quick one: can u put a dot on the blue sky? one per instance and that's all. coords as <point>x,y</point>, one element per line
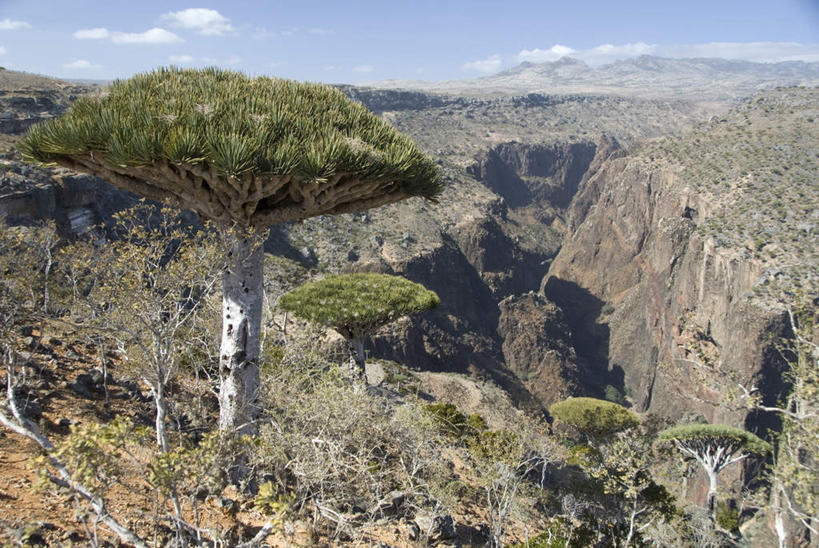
<point>358,41</point>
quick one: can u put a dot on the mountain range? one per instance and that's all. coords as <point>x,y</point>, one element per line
<point>703,79</point>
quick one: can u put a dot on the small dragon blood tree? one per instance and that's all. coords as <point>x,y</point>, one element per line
<point>714,446</point>
<point>356,305</point>
<point>244,152</point>
<point>596,419</point>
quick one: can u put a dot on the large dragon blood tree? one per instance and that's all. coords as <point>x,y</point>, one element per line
<point>244,152</point>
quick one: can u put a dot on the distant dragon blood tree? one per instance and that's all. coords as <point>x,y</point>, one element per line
<point>714,446</point>
<point>356,305</point>
<point>594,418</point>
<point>246,153</point>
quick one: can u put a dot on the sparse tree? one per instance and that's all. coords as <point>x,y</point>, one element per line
<point>356,305</point>
<point>624,467</point>
<point>507,462</point>
<point>246,153</point>
<point>714,447</point>
<point>143,290</point>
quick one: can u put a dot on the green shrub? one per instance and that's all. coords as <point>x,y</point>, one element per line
<point>452,422</point>
<point>560,533</point>
<point>727,517</point>
<point>612,394</point>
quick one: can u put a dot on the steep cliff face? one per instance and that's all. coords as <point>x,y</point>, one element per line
<point>537,347</point>
<point>75,202</point>
<point>484,256</point>
<point>694,248</point>
<point>544,174</point>
<point>26,99</point>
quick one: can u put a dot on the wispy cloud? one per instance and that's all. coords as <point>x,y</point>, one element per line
<point>363,68</point>
<point>182,59</point>
<point>155,35</point>
<point>761,52</point>
<point>315,31</point>
<point>492,63</point>
<point>185,59</point>
<point>2,50</point>
<point>92,34</point>
<point>538,55</point>
<point>81,64</point>
<point>204,21</point>
<point>8,24</point>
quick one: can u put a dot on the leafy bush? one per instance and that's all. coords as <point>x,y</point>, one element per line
<point>560,533</point>
<point>452,422</point>
<point>612,394</point>
<point>727,517</point>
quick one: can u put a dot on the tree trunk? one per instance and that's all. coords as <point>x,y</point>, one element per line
<point>779,515</point>
<point>355,345</point>
<point>711,500</point>
<point>242,286</point>
<point>161,414</point>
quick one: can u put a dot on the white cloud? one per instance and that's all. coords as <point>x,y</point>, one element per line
<point>81,64</point>
<point>538,55</point>
<point>152,36</point>
<point>329,68</point>
<point>2,50</point>
<point>8,24</point>
<point>92,34</point>
<point>363,68</point>
<point>606,53</point>
<point>490,64</point>
<point>191,60</point>
<point>182,59</point>
<point>204,21</point>
<point>320,31</point>
<point>760,52</point>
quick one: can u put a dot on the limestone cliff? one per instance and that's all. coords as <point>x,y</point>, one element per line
<point>694,245</point>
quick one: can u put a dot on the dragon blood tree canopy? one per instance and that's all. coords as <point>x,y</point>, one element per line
<point>250,151</point>
<point>356,305</point>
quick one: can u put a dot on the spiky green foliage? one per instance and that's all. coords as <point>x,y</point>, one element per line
<point>356,305</point>
<point>594,417</point>
<point>250,150</point>
<point>716,435</point>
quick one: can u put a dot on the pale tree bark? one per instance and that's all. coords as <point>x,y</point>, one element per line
<point>355,346</point>
<point>711,501</point>
<point>242,296</point>
<point>161,415</point>
<point>779,515</point>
